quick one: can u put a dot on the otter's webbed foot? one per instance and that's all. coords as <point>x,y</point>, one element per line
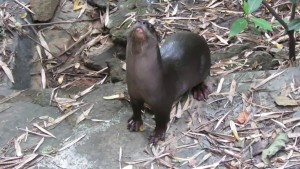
<point>200,92</point>
<point>157,135</point>
<point>134,124</point>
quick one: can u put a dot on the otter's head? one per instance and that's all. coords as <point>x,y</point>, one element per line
<point>143,31</point>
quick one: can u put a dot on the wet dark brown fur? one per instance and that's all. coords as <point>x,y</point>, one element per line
<point>159,76</point>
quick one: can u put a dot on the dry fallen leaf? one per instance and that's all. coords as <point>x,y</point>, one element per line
<point>76,5</point>
<point>39,144</point>
<point>220,85</point>
<point>71,143</point>
<point>116,96</point>
<point>44,80</point>
<point>45,45</point>
<point>7,71</point>
<point>60,79</point>
<point>232,90</point>
<point>234,130</point>
<point>18,148</point>
<point>243,116</point>
<point>84,114</point>
<point>285,101</point>
<point>43,130</point>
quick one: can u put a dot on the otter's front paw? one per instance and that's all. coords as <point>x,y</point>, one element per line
<point>200,92</point>
<point>135,125</point>
<point>157,135</point>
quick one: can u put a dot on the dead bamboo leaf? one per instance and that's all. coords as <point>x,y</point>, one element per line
<point>18,148</point>
<point>207,156</point>
<point>43,75</point>
<point>27,158</point>
<point>107,15</point>
<point>45,45</point>
<point>234,130</point>
<point>222,39</point>
<point>39,51</point>
<point>120,157</point>
<point>279,123</point>
<point>128,167</point>
<point>232,90</point>
<point>113,97</point>
<point>43,130</point>
<point>268,79</point>
<point>7,71</point>
<point>83,8</point>
<point>71,143</point>
<point>220,85</point>
<point>84,114</point>
<point>175,10</point>
<point>32,132</point>
<point>39,144</point>
<point>61,118</point>
<point>179,111</point>
<point>221,119</point>
<point>82,93</point>
<point>187,104</point>
<point>272,113</point>
<point>98,120</point>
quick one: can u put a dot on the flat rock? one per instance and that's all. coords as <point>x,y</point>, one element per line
<point>44,9</point>
<point>98,3</point>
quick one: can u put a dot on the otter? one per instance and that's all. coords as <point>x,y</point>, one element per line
<point>159,76</point>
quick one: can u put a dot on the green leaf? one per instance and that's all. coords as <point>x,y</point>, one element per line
<point>238,26</point>
<point>279,143</point>
<point>262,23</point>
<point>246,8</point>
<point>254,5</point>
<point>294,24</point>
<point>294,1</point>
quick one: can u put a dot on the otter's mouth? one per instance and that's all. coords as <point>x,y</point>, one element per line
<point>139,33</point>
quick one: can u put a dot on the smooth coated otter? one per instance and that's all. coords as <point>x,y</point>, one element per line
<point>159,76</point>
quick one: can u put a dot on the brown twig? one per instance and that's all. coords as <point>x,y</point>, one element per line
<point>292,42</point>
<point>74,44</point>
<point>58,22</point>
<point>25,7</point>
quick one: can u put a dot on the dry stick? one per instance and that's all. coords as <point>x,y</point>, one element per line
<point>290,33</point>
<point>58,22</point>
<point>42,46</point>
<point>19,3</point>
<point>79,40</point>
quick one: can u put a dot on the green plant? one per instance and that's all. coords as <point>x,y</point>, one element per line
<point>250,6</point>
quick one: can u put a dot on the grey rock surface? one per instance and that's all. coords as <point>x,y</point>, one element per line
<point>261,60</point>
<point>44,9</point>
<point>102,4</point>
<point>117,27</point>
<point>235,50</point>
<point>116,72</point>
